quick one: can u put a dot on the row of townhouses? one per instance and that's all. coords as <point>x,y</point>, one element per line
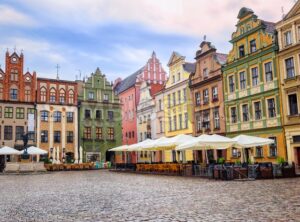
<point>253,90</point>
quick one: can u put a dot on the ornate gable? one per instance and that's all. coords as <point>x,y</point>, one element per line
<point>294,11</point>
<point>175,57</point>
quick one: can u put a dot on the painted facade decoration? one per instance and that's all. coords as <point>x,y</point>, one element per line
<point>251,88</point>
<point>100,117</point>
<point>289,76</point>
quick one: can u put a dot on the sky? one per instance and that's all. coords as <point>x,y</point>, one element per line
<point>118,36</point>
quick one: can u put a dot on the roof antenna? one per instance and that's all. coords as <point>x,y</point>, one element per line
<point>282,11</point>
<point>79,73</point>
<point>57,70</point>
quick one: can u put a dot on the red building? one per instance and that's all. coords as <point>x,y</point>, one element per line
<point>128,91</point>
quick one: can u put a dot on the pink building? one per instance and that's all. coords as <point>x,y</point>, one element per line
<point>128,91</point>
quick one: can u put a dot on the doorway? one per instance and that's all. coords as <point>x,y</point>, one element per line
<point>298,155</point>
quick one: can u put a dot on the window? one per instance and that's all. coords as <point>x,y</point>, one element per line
<point>242,80</point>
<point>173,79</point>
<point>110,133</point>
<point>8,112</point>
<point>257,110</point>
<point>91,95</point>
<point>20,113</point>
<point>241,51</point>
<point>234,152</point>
<point>259,152</point>
<point>30,111</point>
<point>170,124</point>
<point>161,126</point>
<point>273,147</point>
<point>1,91</point>
<point>197,98</point>
<point>175,122</point>
<point>56,136</point>
<point>141,137</point>
<point>186,120</point>
<point>70,137</point>
<point>254,73</point>
<point>178,76</point>
<point>293,104</point>
<point>52,95</point>
<point>99,135</point>
<point>14,75</point>
<point>62,96</point>
<point>0,113</point>
<point>44,136</point>
<point>296,139</point>
<point>27,95</point>
<point>8,132</point>
<point>71,97</point>
<point>57,116</point>
<point>252,45</point>
<point>87,133</point>
<point>159,105</point>
<point>87,114</point>
<point>110,115</point>
<point>216,118</point>
<point>288,38</point>
<point>141,120</point>
<point>289,65</point>
<point>233,115</point>
<point>70,117</point>
<point>215,93</point>
<point>174,99</point>
<point>179,97</point>
<point>205,73</point>
<point>206,120</point>
<point>105,98</point>
<point>231,84</point>
<point>19,132</point>
<point>205,96</point>
<point>44,116</point>
<point>98,114</point>
<point>184,95</point>
<point>245,111</point>
<point>199,123</point>
<point>271,108</point>
<point>13,94</point>
<point>43,95</point>
<point>180,121</point>
<point>169,101</point>
<point>268,71</point>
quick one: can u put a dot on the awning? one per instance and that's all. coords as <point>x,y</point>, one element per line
<point>245,141</point>
<point>34,151</point>
<point>9,151</point>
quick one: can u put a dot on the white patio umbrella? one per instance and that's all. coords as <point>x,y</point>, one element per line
<point>172,142</point>
<point>34,151</point>
<point>119,148</point>
<point>9,151</point>
<point>140,146</point>
<point>245,141</point>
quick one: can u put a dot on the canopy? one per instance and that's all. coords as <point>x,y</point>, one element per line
<point>35,151</point>
<point>153,146</point>
<point>172,142</point>
<point>207,142</point>
<point>9,151</point>
<point>245,141</point>
<point>119,148</point>
<point>140,146</point>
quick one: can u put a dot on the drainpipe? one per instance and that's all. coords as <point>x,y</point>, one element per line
<point>79,131</point>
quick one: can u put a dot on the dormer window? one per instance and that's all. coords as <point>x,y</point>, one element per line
<point>252,46</point>
<point>288,38</point>
<point>241,51</point>
<point>205,73</point>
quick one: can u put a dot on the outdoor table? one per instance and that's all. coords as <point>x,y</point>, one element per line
<point>266,170</point>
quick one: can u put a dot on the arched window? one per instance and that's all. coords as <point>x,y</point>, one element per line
<point>13,93</point>
<point>27,94</point>
<point>43,94</point>
<point>14,75</point>
<point>1,91</point>
<point>71,96</point>
<point>52,95</point>
<point>62,96</point>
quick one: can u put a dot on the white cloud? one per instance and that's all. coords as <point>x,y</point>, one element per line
<point>12,17</point>
<point>192,17</point>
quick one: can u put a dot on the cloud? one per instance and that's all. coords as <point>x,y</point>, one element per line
<point>12,17</point>
<point>192,18</point>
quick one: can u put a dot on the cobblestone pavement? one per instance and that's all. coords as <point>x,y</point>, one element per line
<point>109,196</point>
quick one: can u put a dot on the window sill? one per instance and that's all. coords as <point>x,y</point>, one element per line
<point>290,79</point>
<point>258,157</point>
<point>294,116</point>
<point>272,157</point>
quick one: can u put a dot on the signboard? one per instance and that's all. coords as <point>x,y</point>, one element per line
<point>30,122</point>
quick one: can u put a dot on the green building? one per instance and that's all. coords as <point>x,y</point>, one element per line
<point>251,88</point>
<point>99,118</point>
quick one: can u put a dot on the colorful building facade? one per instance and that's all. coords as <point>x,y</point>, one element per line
<point>178,109</point>
<point>17,103</point>
<point>289,72</point>
<point>99,118</point>
<point>251,88</point>
<point>206,86</point>
<point>57,118</point>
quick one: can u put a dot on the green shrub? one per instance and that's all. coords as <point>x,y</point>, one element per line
<point>280,160</point>
<point>221,160</point>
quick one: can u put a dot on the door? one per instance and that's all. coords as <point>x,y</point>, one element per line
<point>247,155</point>
<point>298,155</point>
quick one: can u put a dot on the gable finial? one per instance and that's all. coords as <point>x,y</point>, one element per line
<point>204,38</point>
<point>15,48</point>
<point>57,70</point>
<point>282,12</point>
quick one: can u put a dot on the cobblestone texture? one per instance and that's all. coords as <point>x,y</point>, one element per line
<point>108,196</point>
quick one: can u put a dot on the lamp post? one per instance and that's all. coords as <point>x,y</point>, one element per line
<point>51,154</point>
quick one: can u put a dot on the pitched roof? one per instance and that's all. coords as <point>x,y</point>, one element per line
<point>221,58</point>
<point>128,82</point>
<point>189,67</point>
<point>270,27</point>
<point>155,88</point>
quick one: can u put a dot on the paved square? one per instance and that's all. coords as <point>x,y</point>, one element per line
<point>108,196</point>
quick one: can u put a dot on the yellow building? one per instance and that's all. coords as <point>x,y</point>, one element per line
<point>289,72</point>
<point>178,104</point>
